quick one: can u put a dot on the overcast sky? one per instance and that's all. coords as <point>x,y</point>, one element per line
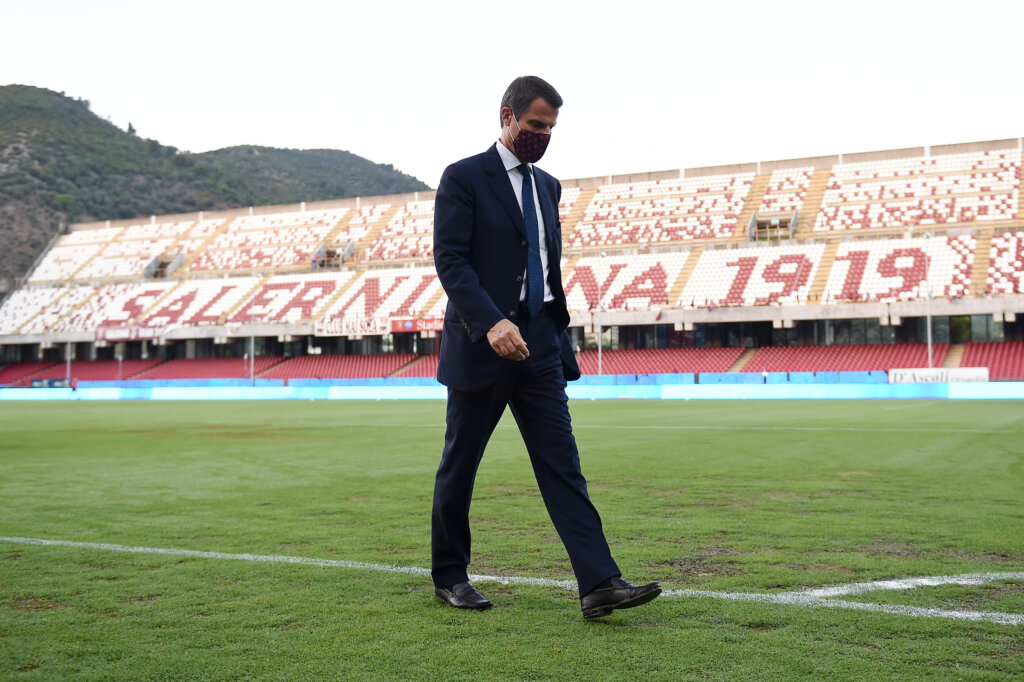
<point>647,85</point>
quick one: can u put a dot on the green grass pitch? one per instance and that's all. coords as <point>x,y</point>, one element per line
<point>754,497</point>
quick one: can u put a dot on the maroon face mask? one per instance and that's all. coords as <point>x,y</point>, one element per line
<point>529,146</point>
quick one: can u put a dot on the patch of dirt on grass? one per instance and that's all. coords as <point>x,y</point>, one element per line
<point>902,550</point>
<point>20,603</point>
<point>13,557</point>
<point>813,568</point>
<point>694,567</point>
<point>985,557</point>
<point>890,548</point>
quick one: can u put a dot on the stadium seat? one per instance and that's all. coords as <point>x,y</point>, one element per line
<point>935,190</point>
<point>900,269</point>
<point>660,360</point>
<point>857,358</point>
<point>340,366</point>
<point>1005,360</point>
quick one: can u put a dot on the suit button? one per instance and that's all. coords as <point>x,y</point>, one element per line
<point>524,242</point>
<point>511,313</point>
<point>519,278</point>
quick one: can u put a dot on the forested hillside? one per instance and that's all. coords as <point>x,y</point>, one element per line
<point>60,163</point>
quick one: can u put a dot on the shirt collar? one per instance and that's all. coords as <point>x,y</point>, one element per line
<point>507,157</point>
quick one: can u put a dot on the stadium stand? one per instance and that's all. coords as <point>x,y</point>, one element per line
<point>290,298</point>
<point>1005,360</point>
<point>99,370</point>
<point>662,211</point>
<point>59,303</point>
<point>63,261</point>
<point>786,190</point>
<point>208,368</point>
<point>390,292</point>
<point>340,366</point>
<point>197,303</point>
<point>16,374</point>
<point>277,240</point>
<point>623,282</point>
<point>757,275</point>
<point>660,360</point>
<point>408,235</point>
<point>112,305</point>
<point>859,358</point>
<point>893,227</point>
<point>425,366</point>
<point>568,201</point>
<point>899,269</point>
<point>953,188</point>
<point>24,304</point>
<point>1006,264</point>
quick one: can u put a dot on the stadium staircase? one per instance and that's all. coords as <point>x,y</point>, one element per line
<point>41,310</point>
<point>281,361</point>
<point>828,259</point>
<point>245,299</point>
<point>339,226</point>
<point>982,258</point>
<point>954,356</point>
<point>71,310</point>
<point>576,213</point>
<point>91,258</point>
<point>812,201</point>
<point>375,231</point>
<point>435,297</point>
<point>338,293</point>
<point>408,366</point>
<point>570,264</point>
<point>750,205</point>
<point>742,360</point>
<point>159,301</point>
<point>201,249</point>
<point>676,292</point>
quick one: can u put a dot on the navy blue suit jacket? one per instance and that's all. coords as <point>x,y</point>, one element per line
<point>480,251</point>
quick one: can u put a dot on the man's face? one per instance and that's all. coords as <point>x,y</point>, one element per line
<point>539,118</point>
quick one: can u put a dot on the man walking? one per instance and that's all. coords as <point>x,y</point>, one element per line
<point>497,250</point>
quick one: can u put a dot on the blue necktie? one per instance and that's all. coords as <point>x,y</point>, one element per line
<point>534,269</point>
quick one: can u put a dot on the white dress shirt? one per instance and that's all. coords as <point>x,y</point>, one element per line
<point>516,178</point>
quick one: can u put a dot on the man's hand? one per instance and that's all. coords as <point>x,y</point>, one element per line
<point>505,340</point>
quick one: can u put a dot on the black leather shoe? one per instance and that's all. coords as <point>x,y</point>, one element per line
<point>463,596</point>
<point>621,595</point>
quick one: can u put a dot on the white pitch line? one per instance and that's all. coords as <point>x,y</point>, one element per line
<point>811,598</point>
<point>911,583</point>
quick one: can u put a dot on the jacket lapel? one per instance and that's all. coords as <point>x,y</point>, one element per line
<point>502,188</point>
<point>552,235</point>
